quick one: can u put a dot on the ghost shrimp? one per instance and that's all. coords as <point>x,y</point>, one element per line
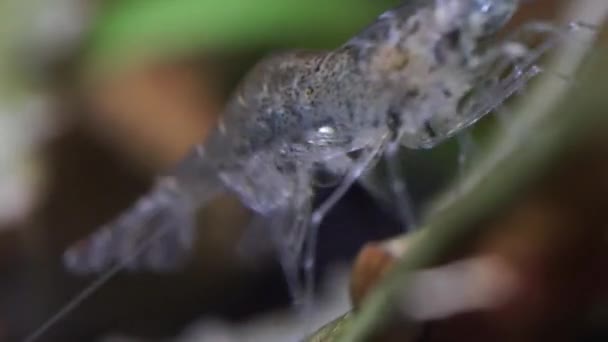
<point>414,78</point>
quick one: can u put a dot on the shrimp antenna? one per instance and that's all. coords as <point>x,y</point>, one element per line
<point>81,296</point>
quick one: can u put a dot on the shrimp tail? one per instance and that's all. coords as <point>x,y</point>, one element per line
<point>158,232</point>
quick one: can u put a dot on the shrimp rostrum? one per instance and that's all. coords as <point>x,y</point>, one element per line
<point>418,75</point>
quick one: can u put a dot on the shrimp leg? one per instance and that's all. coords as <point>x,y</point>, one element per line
<point>466,149</point>
<point>286,228</point>
<point>365,161</point>
<point>404,208</point>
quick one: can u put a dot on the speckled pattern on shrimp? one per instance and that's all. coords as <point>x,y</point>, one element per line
<point>405,75</point>
<point>415,77</point>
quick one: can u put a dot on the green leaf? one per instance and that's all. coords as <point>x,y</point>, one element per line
<point>133,29</point>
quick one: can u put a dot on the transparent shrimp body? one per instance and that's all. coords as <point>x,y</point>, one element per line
<point>403,79</point>
<point>420,74</point>
<point>415,77</point>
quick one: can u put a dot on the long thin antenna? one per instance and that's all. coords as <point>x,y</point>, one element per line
<point>80,297</point>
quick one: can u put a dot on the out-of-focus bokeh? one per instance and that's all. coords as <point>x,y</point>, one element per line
<point>99,96</point>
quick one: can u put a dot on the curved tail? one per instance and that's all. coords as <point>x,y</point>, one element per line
<point>164,221</point>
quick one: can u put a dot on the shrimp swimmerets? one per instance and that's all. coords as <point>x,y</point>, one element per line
<point>415,77</point>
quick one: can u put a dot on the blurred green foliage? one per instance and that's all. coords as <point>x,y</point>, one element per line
<point>135,29</point>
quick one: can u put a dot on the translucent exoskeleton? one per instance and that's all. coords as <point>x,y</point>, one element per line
<point>420,74</point>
